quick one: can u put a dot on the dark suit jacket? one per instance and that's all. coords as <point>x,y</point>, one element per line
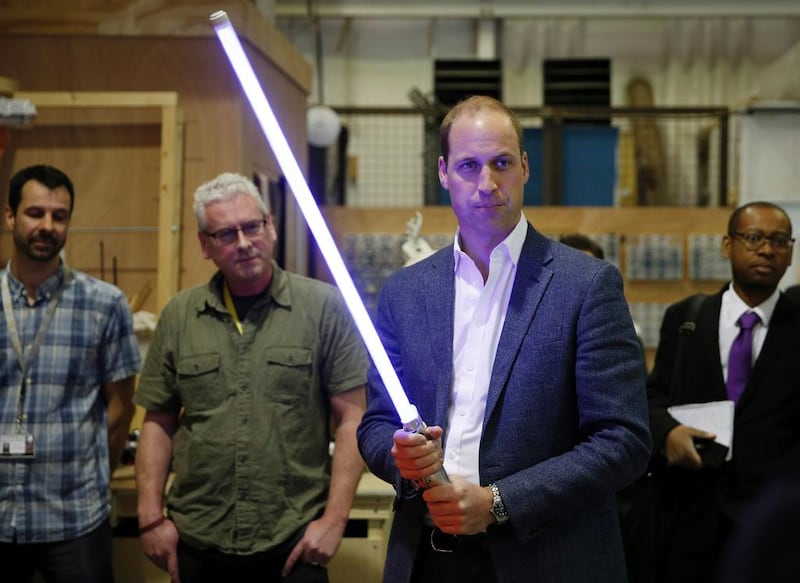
<point>565,424</point>
<point>766,433</point>
<point>765,546</point>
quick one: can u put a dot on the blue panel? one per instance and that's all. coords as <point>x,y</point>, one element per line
<point>589,173</point>
<point>532,142</point>
<point>590,168</point>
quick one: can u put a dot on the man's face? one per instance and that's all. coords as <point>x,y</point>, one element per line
<point>245,262</point>
<point>40,224</point>
<point>485,174</point>
<point>760,268</point>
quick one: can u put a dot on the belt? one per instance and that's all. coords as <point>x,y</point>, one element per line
<point>442,542</point>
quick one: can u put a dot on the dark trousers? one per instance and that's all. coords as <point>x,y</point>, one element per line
<point>458,560</point>
<point>693,528</point>
<point>211,566</point>
<point>86,559</point>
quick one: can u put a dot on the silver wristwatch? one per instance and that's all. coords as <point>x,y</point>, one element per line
<point>498,509</point>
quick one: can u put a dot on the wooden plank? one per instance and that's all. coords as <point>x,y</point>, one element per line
<point>97,116</point>
<point>149,18</point>
<point>169,209</point>
<point>100,98</point>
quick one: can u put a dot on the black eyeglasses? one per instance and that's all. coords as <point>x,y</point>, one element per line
<point>754,241</point>
<point>251,230</point>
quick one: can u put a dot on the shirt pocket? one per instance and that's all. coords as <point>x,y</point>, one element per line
<point>289,372</point>
<point>199,382</point>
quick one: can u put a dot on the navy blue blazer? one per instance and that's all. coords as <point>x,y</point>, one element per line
<point>566,415</point>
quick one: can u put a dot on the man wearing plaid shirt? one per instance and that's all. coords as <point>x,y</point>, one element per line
<point>68,360</point>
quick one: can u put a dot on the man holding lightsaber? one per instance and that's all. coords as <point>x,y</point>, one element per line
<point>520,354</point>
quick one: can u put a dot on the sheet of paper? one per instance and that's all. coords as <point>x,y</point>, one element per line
<point>716,417</point>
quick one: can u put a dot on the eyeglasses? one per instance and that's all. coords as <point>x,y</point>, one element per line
<point>754,241</point>
<point>251,230</point>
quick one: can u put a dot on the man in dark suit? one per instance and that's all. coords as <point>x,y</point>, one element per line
<point>520,353</point>
<point>699,503</point>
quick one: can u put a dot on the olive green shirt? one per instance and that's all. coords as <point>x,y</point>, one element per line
<point>250,453</point>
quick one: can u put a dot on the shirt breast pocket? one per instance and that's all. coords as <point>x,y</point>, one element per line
<point>289,372</point>
<point>199,382</point>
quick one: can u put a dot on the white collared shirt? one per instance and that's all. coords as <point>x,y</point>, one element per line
<point>732,309</point>
<point>480,311</point>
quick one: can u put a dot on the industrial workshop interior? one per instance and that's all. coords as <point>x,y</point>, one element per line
<point>646,122</point>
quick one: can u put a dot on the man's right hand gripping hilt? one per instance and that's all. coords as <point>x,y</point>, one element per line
<point>440,476</point>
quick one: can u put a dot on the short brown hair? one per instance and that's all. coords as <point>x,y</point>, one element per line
<point>473,105</point>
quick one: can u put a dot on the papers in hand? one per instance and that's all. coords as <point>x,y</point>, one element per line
<point>715,417</point>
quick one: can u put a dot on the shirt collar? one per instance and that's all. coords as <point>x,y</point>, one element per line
<point>733,306</point>
<point>45,290</point>
<point>278,290</point>
<point>511,246</point>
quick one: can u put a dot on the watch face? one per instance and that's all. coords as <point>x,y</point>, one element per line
<point>498,509</point>
<point>501,517</point>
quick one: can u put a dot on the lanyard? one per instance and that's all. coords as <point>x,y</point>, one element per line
<point>25,357</point>
<point>231,308</point>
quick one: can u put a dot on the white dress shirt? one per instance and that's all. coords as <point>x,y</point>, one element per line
<point>480,310</point>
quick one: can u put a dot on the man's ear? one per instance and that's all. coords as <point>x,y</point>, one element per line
<point>442,165</point>
<point>205,241</point>
<point>526,166</point>
<point>725,247</point>
<point>9,218</point>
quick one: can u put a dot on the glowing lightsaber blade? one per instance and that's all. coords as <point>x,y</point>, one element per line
<point>305,200</point>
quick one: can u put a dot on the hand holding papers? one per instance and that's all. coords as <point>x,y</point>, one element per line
<point>715,417</point>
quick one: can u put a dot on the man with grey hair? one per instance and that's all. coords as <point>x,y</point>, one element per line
<point>240,382</point>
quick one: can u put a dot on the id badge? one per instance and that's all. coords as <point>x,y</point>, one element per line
<point>16,446</point>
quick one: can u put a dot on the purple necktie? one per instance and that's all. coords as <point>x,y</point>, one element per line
<point>740,359</point>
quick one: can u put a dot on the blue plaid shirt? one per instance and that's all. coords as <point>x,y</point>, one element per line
<point>63,492</point>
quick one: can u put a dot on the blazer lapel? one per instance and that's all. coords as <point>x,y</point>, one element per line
<point>708,328</point>
<point>779,330</point>
<point>531,280</point>
<point>439,298</point>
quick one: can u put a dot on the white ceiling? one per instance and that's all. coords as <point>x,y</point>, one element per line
<point>534,8</point>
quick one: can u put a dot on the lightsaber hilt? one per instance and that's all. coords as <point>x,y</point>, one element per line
<point>440,476</point>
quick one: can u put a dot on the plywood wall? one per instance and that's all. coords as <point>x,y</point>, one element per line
<point>114,156</point>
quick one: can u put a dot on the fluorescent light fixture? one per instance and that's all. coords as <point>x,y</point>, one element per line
<point>305,200</point>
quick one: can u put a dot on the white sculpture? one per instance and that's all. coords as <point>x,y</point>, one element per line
<point>415,247</point>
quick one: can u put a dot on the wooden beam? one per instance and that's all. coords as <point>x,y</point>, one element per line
<point>169,208</point>
<point>100,98</point>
